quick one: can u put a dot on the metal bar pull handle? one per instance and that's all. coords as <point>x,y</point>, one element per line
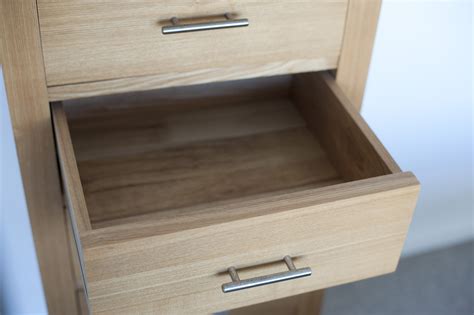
<point>292,273</point>
<point>175,27</point>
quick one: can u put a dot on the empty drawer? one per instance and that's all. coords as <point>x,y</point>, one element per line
<point>168,189</point>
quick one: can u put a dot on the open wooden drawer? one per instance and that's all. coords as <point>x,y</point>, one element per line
<point>170,188</point>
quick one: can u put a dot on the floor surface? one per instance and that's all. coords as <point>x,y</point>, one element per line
<point>435,283</point>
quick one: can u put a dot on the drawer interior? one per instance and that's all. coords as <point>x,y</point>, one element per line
<point>191,180</point>
<point>173,152</point>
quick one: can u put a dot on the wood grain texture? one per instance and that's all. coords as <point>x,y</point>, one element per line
<point>345,239</point>
<point>228,92</point>
<point>79,220</point>
<point>354,149</point>
<point>204,302</point>
<point>150,82</point>
<point>70,174</point>
<point>303,304</point>
<point>137,162</point>
<point>79,279</point>
<point>24,77</point>
<point>176,258</point>
<point>84,41</point>
<point>191,137</point>
<point>162,223</point>
<point>175,178</point>
<point>359,36</point>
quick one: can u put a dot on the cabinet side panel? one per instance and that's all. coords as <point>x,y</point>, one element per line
<point>22,62</point>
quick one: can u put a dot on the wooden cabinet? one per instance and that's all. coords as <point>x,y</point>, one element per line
<point>184,155</point>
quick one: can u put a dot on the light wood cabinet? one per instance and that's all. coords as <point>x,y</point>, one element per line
<point>183,155</point>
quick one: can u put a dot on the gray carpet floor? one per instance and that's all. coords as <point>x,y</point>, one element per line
<point>436,283</point>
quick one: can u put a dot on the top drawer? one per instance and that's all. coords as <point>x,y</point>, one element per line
<point>86,41</point>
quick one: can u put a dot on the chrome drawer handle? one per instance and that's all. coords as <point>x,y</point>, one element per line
<point>183,28</point>
<point>238,284</point>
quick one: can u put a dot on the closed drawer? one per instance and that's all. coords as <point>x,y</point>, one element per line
<point>170,188</point>
<point>88,41</point>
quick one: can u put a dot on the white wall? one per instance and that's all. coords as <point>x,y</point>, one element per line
<point>419,102</point>
<point>21,290</point>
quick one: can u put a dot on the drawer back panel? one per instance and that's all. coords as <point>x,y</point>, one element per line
<point>88,41</point>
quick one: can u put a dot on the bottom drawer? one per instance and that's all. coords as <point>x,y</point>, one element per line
<point>168,189</point>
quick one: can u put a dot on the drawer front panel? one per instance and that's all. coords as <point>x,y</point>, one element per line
<point>342,240</point>
<point>87,41</point>
<point>367,260</point>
